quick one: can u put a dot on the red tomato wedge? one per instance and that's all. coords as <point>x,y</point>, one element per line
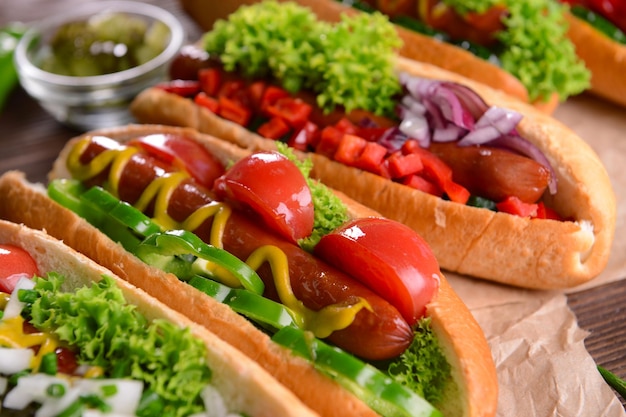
<point>15,263</point>
<point>273,187</point>
<point>183,153</point>
<point>389,258</point>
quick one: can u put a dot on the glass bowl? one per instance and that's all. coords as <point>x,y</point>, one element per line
<point>93,101</point>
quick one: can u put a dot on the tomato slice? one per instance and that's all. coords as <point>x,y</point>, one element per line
<point>183,153</point>
<point>274,188</point>
<point>389,258</point>
<point>15,263</point>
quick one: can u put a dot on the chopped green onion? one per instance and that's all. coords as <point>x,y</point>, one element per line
<point>56,390</point>
<point>109,390</point>
<point>49,364</point>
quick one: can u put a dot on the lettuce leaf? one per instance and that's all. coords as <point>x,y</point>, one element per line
<point>423,366</point>
<point>349,64</point>
<point>535,48</point>
<point>112,334</point>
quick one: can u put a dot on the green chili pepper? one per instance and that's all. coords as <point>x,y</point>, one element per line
<point>253,306</point>
<point>9,37</point>
<point>379,391</point>
<point>614,381</point>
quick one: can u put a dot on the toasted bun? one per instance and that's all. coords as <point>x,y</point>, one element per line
<point>245,386</point>
<point>473,394</point>
<point>415,46</point>
<point>540,254</point>
<point>605,58</point>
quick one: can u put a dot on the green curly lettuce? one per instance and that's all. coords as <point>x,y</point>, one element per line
<point>535,48</point>
<point>112,334</point>
<point>423,367</point>
<point>349,64</point>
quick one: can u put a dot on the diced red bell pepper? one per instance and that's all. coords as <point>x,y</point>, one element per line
<point>271,94</point>
<point>383,170</point>
<point>371,134</point>
<point>349,149</point>
<point>513,205</point>
<point>274,128</point>
<point>372,157</point>
<point>234,111</point>
<point>435,169</point>
<point>202,99</point>
<point>346,126</point>
<point>402,165</point>
<point>183,88</point>
<point>422,184</point>
<point>544,212</point>
<point>255,92</point>
<point>305,138</point>
<point>210,80</point>
<point>295,111</point>
<point>236,91</point>
<point>456,192</point>
<point>329,141</point>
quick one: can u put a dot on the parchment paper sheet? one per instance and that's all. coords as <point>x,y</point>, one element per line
<point>542,364</point>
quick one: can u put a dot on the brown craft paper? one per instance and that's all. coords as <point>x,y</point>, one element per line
<point>542,364</point>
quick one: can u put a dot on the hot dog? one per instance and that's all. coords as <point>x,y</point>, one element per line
<point>597,30</point>
<point>478,44</point>
<point>72,370</point>
<point>469,358</point>
<point>556,166</point>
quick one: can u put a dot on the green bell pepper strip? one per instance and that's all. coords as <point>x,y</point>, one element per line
<point>257,308</point>
<point>183,242</point>
<point>384,395</point>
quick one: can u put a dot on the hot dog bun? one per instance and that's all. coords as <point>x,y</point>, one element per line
<point>475,388</point>
<point>605,58</point>
<point>245,386</point>
<point>415,46</point>
<point>495,246</point>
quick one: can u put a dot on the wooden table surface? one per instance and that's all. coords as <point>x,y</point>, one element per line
<point>30,140</point>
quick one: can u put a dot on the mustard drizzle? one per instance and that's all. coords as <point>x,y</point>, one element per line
<point>12,335</point>
<point>322,323</point>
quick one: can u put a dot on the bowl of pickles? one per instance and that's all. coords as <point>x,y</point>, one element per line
<point>85,66</point>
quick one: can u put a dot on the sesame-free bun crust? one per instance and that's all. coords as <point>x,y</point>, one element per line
<point>605,58</point>
<point>541,254</point>
<point>473,394</point>
<point>245,386</point>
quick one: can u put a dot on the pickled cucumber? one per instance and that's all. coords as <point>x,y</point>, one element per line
<point>104,44</point>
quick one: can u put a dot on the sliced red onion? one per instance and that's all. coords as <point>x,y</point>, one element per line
<point>413,105</point>
<point>416,127</point>
<point>444,111</point>
<point>392,139</point>
<point>495,122</point>
<point>449,133</point>
<point>451,107</point>
<point>471,101</point>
